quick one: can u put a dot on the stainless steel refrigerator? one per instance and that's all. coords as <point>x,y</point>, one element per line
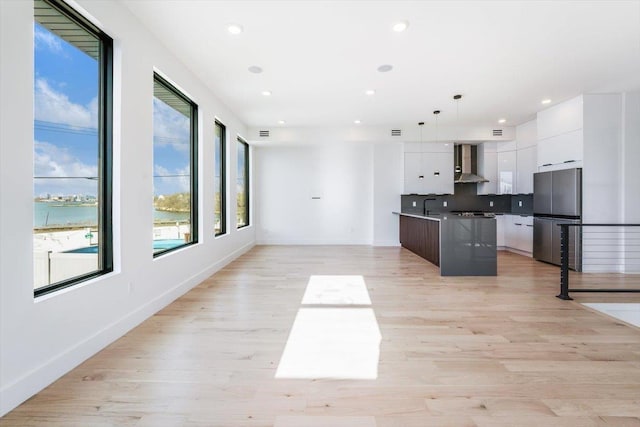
<point>557,198</point>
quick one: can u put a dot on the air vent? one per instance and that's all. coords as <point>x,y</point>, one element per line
<point>264,134</point>
<point>497,132</point>
<point>396,132</point>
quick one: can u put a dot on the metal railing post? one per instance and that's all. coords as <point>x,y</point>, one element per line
<point>564,262</point>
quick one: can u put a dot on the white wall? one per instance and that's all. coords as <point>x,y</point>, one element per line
<point>388,178</point>
<point>314,194</point>
<point>602,170</point>
<point>42,339</point>
<point>631,158</point>
<point>631,175</point>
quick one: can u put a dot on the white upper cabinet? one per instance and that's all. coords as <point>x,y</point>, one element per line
<point>560,150</point>
<point>562,118</point>
<point>525,168</point>
<point>428,172</point>
<point>488,168</point>
<point>527,155</point>
<point>507,172</point>
<point>561,136</point>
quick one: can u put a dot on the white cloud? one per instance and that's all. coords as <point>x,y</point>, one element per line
<point>56,107</point>
<point>53,161</point>
<point>170,127</point>
<point>177,182</point>
<point>47,40</point>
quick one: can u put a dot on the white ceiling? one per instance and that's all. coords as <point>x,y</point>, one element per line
<point>320,56</point>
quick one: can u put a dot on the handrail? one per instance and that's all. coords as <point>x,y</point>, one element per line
<point>564,261</point>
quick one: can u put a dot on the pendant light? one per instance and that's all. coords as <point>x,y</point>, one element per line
<point>458,168</point>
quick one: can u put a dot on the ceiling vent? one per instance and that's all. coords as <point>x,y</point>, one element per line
<point>497,132</point>
<point>396,132</point>
<point>264,134</point>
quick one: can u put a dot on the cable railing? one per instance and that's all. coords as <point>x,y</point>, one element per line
<point>606,248</point>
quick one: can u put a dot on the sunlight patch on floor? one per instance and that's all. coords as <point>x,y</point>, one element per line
<point>336,290</point>
<point>627,312</point>
<point>339,341</point>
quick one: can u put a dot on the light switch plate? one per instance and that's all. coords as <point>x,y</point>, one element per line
<point>520,203</point>
<point>444,203</point>
<point>414,204</point>
<point>490,203</point>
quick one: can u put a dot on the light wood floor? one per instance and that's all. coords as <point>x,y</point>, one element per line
<point>493,351</point>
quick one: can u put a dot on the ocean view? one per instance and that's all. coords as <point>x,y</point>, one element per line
<point>50,214</point>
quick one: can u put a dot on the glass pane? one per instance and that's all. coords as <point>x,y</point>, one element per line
<point>218,181</point>
<point>66,224</point>
<point>171,169</point>
<point>241,185</point>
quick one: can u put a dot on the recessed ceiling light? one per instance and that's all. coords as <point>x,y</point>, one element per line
<point>399,27</point>
<point>385,68</point>
<point>370,92</point>
<point>546,101</point>
<point>357,122</point>
<point>266,92</point>
<point>255,69</point>
<point>235,28</point>
<point>502,120</point>
<point>281,122</point>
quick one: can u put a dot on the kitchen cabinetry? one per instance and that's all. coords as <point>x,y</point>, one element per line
<point>488,168</point>
<point>500,221</point>
<point>517,161</point>
<point>525,168</point>
<point>507,163</point>
<point>429,172</point>
<point>561,136</point>
<point>518,233</point>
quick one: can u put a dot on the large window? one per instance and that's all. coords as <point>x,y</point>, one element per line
<point>242,184</point>
<point>219,184</point>
<point>72,224</point>
<point>175,174</point>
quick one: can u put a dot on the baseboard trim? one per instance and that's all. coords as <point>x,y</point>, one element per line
<point>312,242</point>
<point>15,393</point>
<point>519,252</point>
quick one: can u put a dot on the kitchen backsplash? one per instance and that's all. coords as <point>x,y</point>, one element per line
<point>468,201</point>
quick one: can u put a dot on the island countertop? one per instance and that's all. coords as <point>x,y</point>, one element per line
<point>460,245</point>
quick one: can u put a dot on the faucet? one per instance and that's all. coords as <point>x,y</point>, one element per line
<point>425,212</point>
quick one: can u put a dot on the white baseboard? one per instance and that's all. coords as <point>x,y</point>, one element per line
<point>312,242</point>
<point>518,251</point>
<point>394,243</point>
<point>40,377</point>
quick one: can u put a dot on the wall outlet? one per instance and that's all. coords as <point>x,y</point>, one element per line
<point>414,204</point>
<point>444,203</point>
<point>519,203</point>
<point>491,203</point>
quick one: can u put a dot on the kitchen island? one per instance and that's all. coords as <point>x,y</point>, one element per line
<point>459,245</point>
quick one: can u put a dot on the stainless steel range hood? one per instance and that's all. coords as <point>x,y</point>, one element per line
<point>465,156</point>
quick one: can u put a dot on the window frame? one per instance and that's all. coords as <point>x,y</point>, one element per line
<point>193,163</point>
<point>105,150</point>
<point>223,179</point>
<point>246,183</point>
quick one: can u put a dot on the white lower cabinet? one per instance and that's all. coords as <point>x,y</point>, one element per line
<point>500,221</point>
<point>518,233</point>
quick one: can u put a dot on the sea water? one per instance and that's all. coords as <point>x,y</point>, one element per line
<point>49,214</point>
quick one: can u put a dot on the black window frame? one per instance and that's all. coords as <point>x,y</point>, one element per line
<point>246,184</point>
<point>193,147</point>
<point>105,150</point>
<point>223,179</point>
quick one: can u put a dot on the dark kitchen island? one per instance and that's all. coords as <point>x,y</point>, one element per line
<point>459,245</point>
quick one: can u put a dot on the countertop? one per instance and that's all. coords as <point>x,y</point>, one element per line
<point>440,217</point>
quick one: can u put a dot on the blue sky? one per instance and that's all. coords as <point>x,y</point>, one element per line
<point>65,128</point>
